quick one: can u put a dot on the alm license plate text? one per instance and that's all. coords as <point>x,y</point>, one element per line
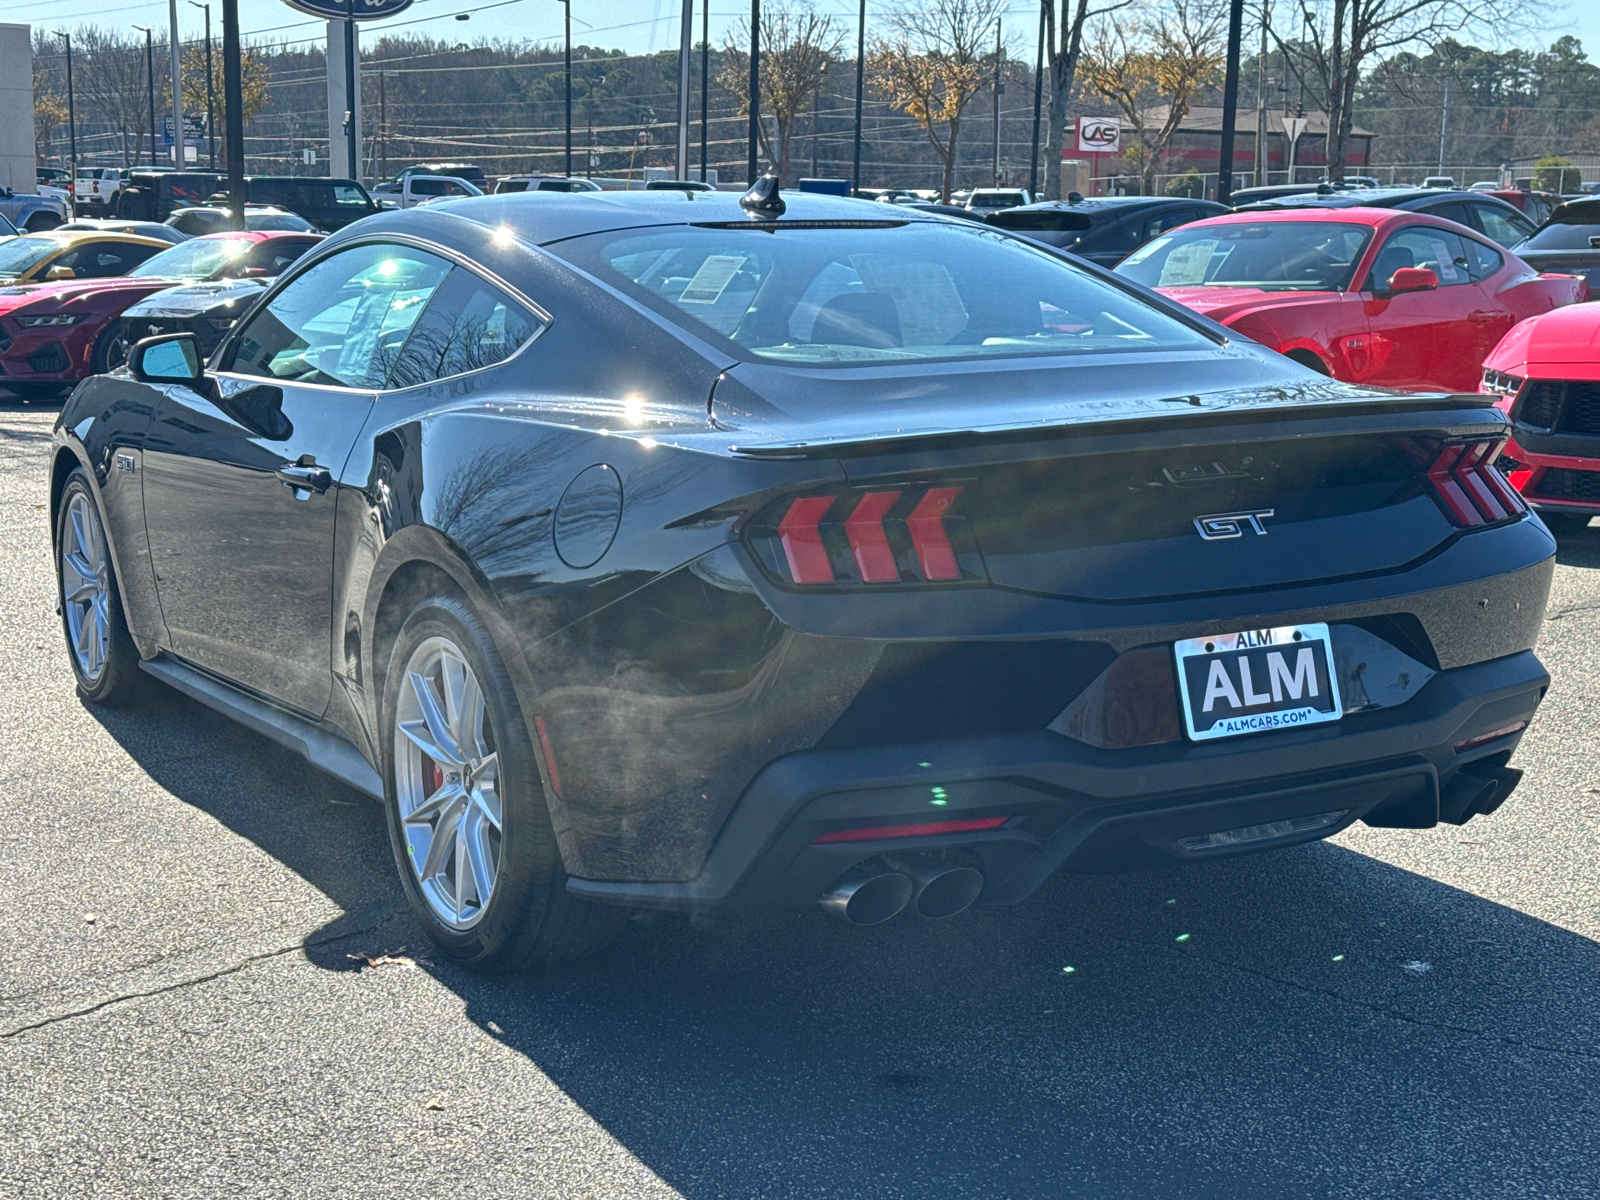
<point>1257,680</point>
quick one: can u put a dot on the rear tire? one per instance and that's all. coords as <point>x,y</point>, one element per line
<point>104,659</point>
<point>469,823</point>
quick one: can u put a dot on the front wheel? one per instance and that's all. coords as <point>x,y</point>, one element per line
<point>467,813</point>
<point>104,658</point>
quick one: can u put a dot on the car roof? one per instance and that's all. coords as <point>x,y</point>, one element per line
<point>74,236</point>
<point>552,216</point>
<point>1091,204</point>
<point>1351,215</point>
<point>1377,198</point>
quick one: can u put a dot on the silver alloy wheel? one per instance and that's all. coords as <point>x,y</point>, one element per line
<point>446,775</point>
<point>86,587</point>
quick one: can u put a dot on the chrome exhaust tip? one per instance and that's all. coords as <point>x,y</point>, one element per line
<point>867,895</point>
<point>941,886</point>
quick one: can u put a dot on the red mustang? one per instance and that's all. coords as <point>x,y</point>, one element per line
<point>53,334</point>
<point>1547,373</point>
<point>1367,295</point>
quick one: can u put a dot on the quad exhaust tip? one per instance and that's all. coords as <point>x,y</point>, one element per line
<point>873,892</point>
<point>867,895</point>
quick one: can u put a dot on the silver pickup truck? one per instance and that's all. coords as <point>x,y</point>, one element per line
<point>33,213</point>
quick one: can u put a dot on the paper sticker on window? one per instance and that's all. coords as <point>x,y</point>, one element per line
<point>1447,266</point>
<point>712,279</point>
<point>1187,265</point>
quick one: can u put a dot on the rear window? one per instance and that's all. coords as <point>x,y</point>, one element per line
<point>1275,255</point>
<point>851,295</point>
<point>1570,228</point>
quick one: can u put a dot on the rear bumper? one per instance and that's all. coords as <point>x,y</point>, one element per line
<point>1070,806</point>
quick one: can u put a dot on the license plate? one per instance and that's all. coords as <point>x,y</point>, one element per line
<point>1258,680</point>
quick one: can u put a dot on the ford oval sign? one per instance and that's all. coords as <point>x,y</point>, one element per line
<point>361,10</point>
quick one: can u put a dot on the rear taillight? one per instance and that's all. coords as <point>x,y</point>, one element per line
<point>1469,488</point>
<point>868,536</point>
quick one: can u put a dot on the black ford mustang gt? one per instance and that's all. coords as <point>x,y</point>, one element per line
<point>646,550</point>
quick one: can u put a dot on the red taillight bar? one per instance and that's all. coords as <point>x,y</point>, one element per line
<point>926,526</point>
<point>925,829</point>
<point>801,538</point>
<point>1469,488</point>
<point>872,555</point>
<point>868,540</point>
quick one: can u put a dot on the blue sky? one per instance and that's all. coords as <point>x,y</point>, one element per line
<point>633,25</point>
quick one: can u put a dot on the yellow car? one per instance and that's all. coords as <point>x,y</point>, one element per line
<point>87,254</point>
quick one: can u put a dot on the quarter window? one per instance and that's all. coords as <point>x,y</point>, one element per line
<point>1503,227</point>
<point>469,324</point>
<point>343,322</point>
<point>1438,250</point>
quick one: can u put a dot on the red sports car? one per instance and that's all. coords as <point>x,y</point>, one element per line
<point>1547,373</point>
<point>53,334</point>
<point>1367,295</point>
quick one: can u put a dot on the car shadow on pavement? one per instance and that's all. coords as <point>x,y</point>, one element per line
<point>1309,1022</point>
<point>1579,548</point>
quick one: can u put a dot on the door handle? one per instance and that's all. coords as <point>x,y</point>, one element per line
<point>1479,316</point>
<point>305,477</point>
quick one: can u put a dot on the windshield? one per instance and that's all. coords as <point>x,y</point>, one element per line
<point>842,295</point>
<point>1294,256</point>
<point>199,259</point>
<point>21,255</point>
<point>1573,227</point>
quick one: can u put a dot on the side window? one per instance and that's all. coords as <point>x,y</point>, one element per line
<point>104,260</point>
<point>427,187</point>
<point>344,321</point>
<point>1439,250</point>
<point>467,325</point>
<point>1450,212</point>
<point>1483,261</point>
<point>1158,225</point>
<point>1503,227</point>
<point>276,254</point>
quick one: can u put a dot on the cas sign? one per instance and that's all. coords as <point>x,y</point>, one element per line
<point>341,10</point>
<point>1099,135</point>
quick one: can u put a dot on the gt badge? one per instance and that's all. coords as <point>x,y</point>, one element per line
<point>1231,525</point>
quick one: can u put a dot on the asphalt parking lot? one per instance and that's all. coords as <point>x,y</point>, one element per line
<point>210,986</point>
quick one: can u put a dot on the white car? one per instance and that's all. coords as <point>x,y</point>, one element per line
<point>420,189</point>
<point>988,200</point>
<point>96,187</point>
<point>544,183</point>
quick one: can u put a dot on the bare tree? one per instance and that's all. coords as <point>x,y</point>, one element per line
<point>798,49</point>
<point>111,82</point>
<point>932,64</point>
<point>1063,40</point>
<point>1345,35</point>
<point>1167,55</point>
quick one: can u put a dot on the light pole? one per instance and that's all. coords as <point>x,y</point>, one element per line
<point>754,153</point>
<point>861,68</point>
<point>179,142</point>
<point>705,84</point>
<point>999,55</point>
<point>233,109</point>
<point>685,59</point>
<point>150,83</point>
<point>567,4</point>
<point>1230,101</point>
<point>1038,104</point>
<point>72,121</point>
<point>351,163</point>
<point>211,95</point>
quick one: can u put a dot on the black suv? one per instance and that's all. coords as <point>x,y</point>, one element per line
<point>329,204</point>
<point>151,194</point>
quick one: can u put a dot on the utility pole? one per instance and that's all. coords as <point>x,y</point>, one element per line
<point>1230,101</point>
<point>72,122</point>
<point>1038,105</point>
<point>233,109</point>
<point>567,4</point>
<point>999,53</point>
<point>861,66</point>
<point>685,61</point>
<point>351,162</point>
<point>211,93</point>
<point>150,85</point>
<point>179,142</point>
<point>1261,97</point>
<point>705,84</point>
<point>816,100</point>
<point>1444,124</point>
<point>383,125</point>
<point>754,153</point>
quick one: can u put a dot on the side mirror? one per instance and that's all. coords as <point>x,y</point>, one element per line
<point>1412,279</point>
<point>55,273</point>
<point>170,358</point>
